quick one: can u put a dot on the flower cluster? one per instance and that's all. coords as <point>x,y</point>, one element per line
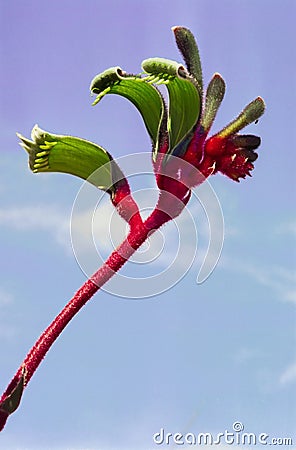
<point>183,156</point>
<point>182,128</point>
<point>179,129</point>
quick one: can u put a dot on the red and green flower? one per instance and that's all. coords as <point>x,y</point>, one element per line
<point>183,156</point>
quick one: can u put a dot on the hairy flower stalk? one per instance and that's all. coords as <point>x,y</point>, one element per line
<point>183,156</point>
<point>11,397</point>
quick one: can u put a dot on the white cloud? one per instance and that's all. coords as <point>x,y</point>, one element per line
<point>288,375</point>
<point>97,229</point>
<point>279,279</point>
<point>41,218</point>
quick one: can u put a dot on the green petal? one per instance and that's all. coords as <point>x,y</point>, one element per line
<point>57,153</point>
<point>146,98</point>
<point>184,97</point>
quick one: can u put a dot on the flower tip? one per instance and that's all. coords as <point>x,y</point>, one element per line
<point>260,99</point>
<point>36,133</point>
<point>24,142</point>
<point>180,29</point>
<point>177,28</point>
<point>217,86</point>
<point>218,76</point>
<point>96,101</point>
<point>253,111</point>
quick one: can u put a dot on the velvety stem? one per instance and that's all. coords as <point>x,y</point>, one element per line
<point>137,235</point>
<point>89,288</point>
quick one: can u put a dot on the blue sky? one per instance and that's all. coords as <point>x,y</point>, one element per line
<point>195,358</point>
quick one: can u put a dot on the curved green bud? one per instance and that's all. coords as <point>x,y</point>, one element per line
<point>187,45</point>
<point>146,98</point>
<point>162,69</point>
<point>184,97</point>
<point>103,82</point>
<point>57,153</point>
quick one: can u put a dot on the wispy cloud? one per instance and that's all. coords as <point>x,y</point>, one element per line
<point>41,218</point>
<point>101,230</point>
<point>280,280</point>
<point>105,229</point>
<point>288,375</point>
<point>97,227</point>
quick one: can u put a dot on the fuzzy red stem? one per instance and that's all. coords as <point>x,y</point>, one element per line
<point>137,235</point>
<point>115,261</point>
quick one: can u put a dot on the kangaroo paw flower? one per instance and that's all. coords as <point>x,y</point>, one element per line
<point>57,153</point>
<point>183,156</point>
<point>234,153</point>
<point>181,128</point>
